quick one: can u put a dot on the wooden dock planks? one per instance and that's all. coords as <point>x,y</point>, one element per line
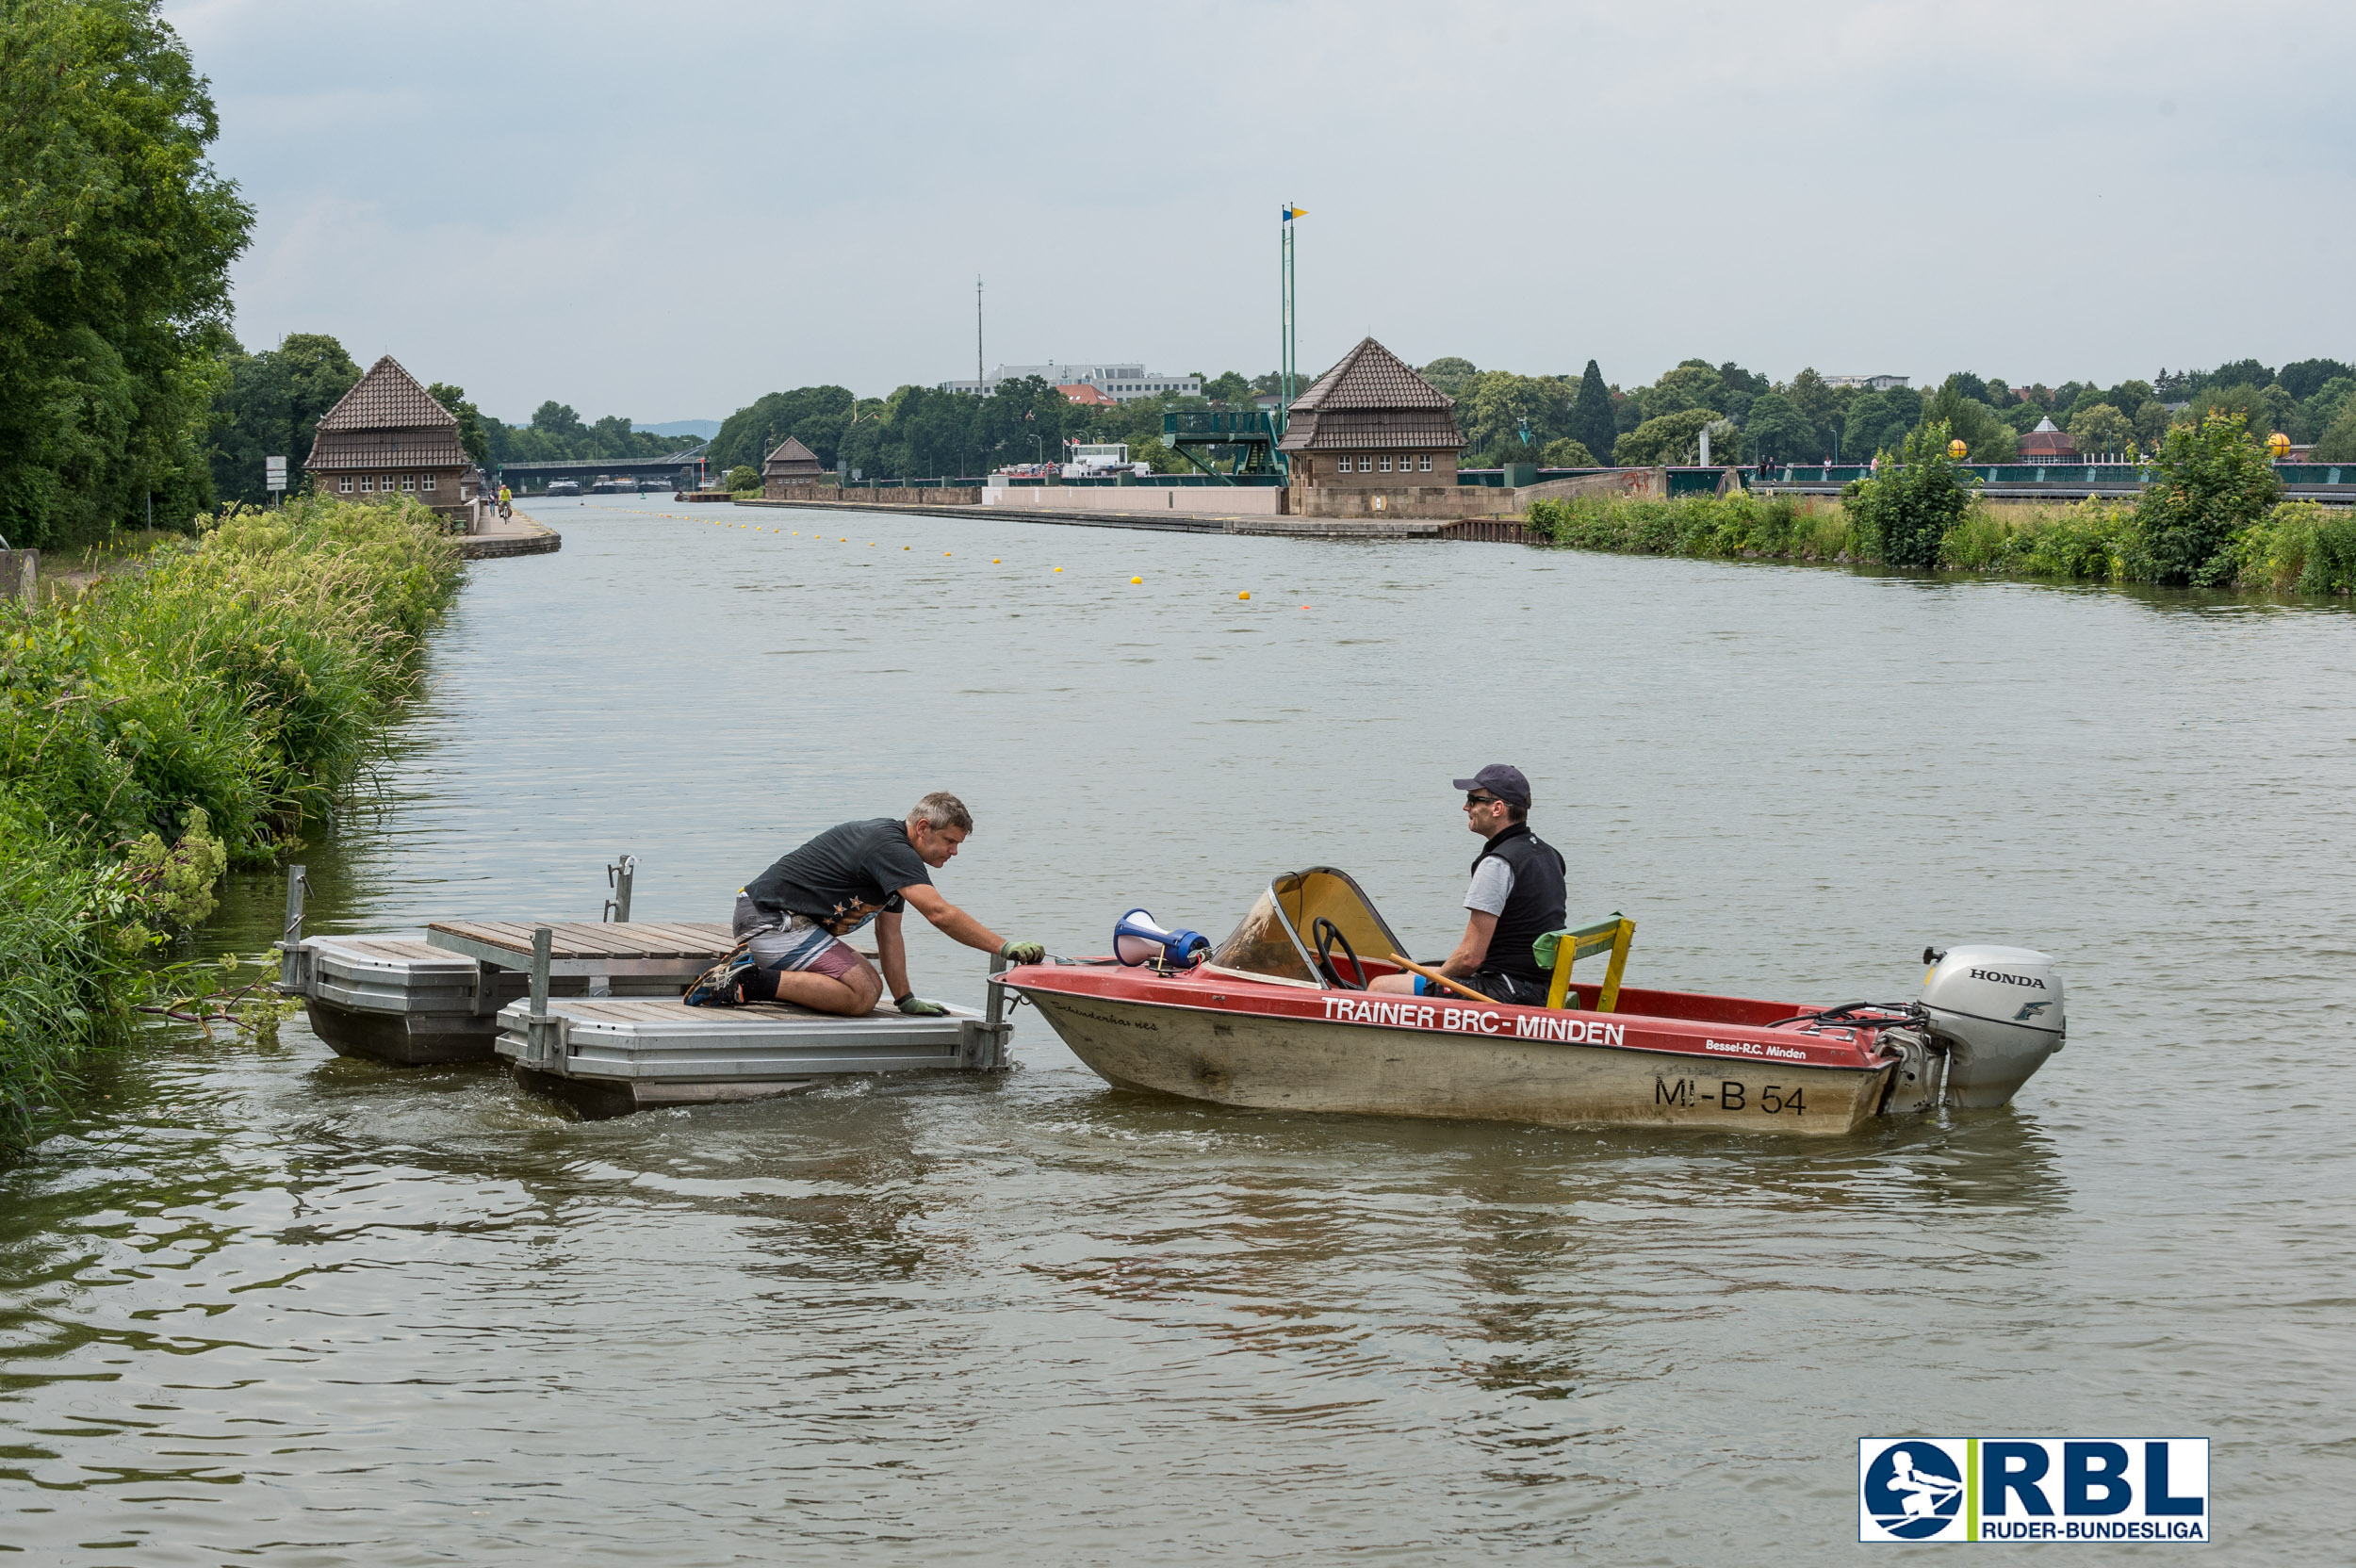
<point>590,939</point>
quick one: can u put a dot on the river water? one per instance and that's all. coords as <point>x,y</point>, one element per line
<point>261,1305</point>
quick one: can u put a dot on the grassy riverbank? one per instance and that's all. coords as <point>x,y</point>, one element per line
<point>203,707</point>
<point>2296,547</point>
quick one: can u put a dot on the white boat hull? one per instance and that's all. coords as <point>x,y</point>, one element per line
<point>1231,1058</point>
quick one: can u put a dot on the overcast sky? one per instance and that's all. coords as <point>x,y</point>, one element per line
<point>664,211</point>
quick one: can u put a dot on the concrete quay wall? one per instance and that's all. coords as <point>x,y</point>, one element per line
<point>1224,501</point>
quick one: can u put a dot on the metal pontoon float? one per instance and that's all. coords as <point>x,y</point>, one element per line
<point>610,1056</point>
<point>413,1002</point>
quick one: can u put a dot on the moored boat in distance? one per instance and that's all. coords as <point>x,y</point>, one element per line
<point>1278,1017</point>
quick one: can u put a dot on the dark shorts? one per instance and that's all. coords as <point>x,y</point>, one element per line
<point>1513,989</point>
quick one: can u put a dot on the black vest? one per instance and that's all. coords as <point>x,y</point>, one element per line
<point>1536,906</point>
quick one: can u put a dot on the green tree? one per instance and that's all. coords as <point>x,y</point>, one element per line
<point>557,419</point>
<point>741,478</point>
<point>1908,506</point>
<point>1986,437</point>
<point>1449,373</point>
<point>1564,453</point>
<point>1594,421</point>
<point>2210,482</point>
<point>1494,407</point>
<point>1816,403</point>
<point>2337,444</point>
<point>269,405</point>
<point>2317,415</point>
<point>2302,379</point>
<point>114,275</point>
<point>1779,432</point>
<point>1228,389</point>
<point>1670,439</point>
<point>2099,429</point>
<point>470,432</point>
<point>2151,421</point>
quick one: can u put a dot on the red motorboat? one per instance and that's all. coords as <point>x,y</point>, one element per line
<point>1278,1017</point>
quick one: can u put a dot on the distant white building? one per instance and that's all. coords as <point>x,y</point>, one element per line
<point>1876,384</point>
<point>1123,382</point>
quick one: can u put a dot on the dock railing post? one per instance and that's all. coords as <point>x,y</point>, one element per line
<point>539,1030</point>
<point>994,1023</point>
<point>541,940</point>
<point>619,876</point>
<point>290,934</point>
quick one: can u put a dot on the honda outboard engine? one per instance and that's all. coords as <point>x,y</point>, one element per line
<point>1999,1012</point>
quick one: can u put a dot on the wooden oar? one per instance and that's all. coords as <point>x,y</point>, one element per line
<point>1435,976</point>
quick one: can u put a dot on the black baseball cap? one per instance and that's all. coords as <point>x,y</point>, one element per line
<point>1503,780</point>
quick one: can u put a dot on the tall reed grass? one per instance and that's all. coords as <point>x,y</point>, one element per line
<point>206,703</point>
<point>2297,547</point>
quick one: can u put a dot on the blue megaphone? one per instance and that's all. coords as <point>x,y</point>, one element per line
<point>1138,940</point>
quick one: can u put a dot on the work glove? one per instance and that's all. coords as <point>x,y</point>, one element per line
<point>1024,953</point>
<point>916,1006</point>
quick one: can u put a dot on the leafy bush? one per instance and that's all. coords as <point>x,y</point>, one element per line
<point>1904,511</point>
<point>2210,482</point>
<point>203,707</point>
<point>741,478</point>
<point>1739,524</point>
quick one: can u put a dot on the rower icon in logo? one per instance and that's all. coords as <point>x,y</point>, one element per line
<point>1913,1490</point>
<point>2029,1010</point>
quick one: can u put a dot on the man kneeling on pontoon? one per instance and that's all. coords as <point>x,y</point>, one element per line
<point>791,919</point>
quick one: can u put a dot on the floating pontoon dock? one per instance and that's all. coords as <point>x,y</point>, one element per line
<point>612,1057</point>
<point>588,1012</point>
<point>396,998</point>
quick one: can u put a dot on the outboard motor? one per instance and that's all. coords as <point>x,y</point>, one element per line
<point>1999,1012</point>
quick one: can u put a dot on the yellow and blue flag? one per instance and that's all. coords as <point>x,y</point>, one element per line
<point>1292,212</point>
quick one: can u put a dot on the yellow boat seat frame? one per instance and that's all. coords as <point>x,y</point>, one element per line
<point>1560,950</point>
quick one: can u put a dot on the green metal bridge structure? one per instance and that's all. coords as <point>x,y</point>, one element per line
<point>1201,436</point>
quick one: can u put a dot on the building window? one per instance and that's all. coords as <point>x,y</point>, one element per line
<point>343,485</point>
<point>367,485</point>
<point>1346,465</point>
<point>1424,462</point>
<point>426,484</point>
<point>408,482</point>
<point>1386,462</point>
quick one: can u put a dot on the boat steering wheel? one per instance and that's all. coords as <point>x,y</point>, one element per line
<point>1325,934</point>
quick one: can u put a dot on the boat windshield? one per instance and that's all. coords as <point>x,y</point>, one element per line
<point>1278,938</point>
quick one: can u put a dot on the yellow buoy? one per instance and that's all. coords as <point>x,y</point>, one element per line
<point>944,554</point>
<point>1136,579</point>
<point>1059,568</point>
<point>1245,595</point>
<point>994,561</point>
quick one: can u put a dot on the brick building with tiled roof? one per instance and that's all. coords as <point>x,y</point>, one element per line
<point>388,437</point>
<point>791,463</point>
<point>1372,421</point>
<point>2047,444</point>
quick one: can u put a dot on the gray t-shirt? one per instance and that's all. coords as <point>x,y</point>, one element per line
<point>1492,885</point>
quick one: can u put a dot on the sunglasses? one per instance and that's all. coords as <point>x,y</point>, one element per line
<point>1480,800</point>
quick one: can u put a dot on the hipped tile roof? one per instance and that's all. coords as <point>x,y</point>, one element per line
<point>793,452</point>
<point>1371,399</point>
<point>386,421</point>
<point>387,398</point>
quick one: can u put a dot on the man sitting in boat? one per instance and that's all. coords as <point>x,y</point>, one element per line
<point>790,919</point>
<point>1517,895</point>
